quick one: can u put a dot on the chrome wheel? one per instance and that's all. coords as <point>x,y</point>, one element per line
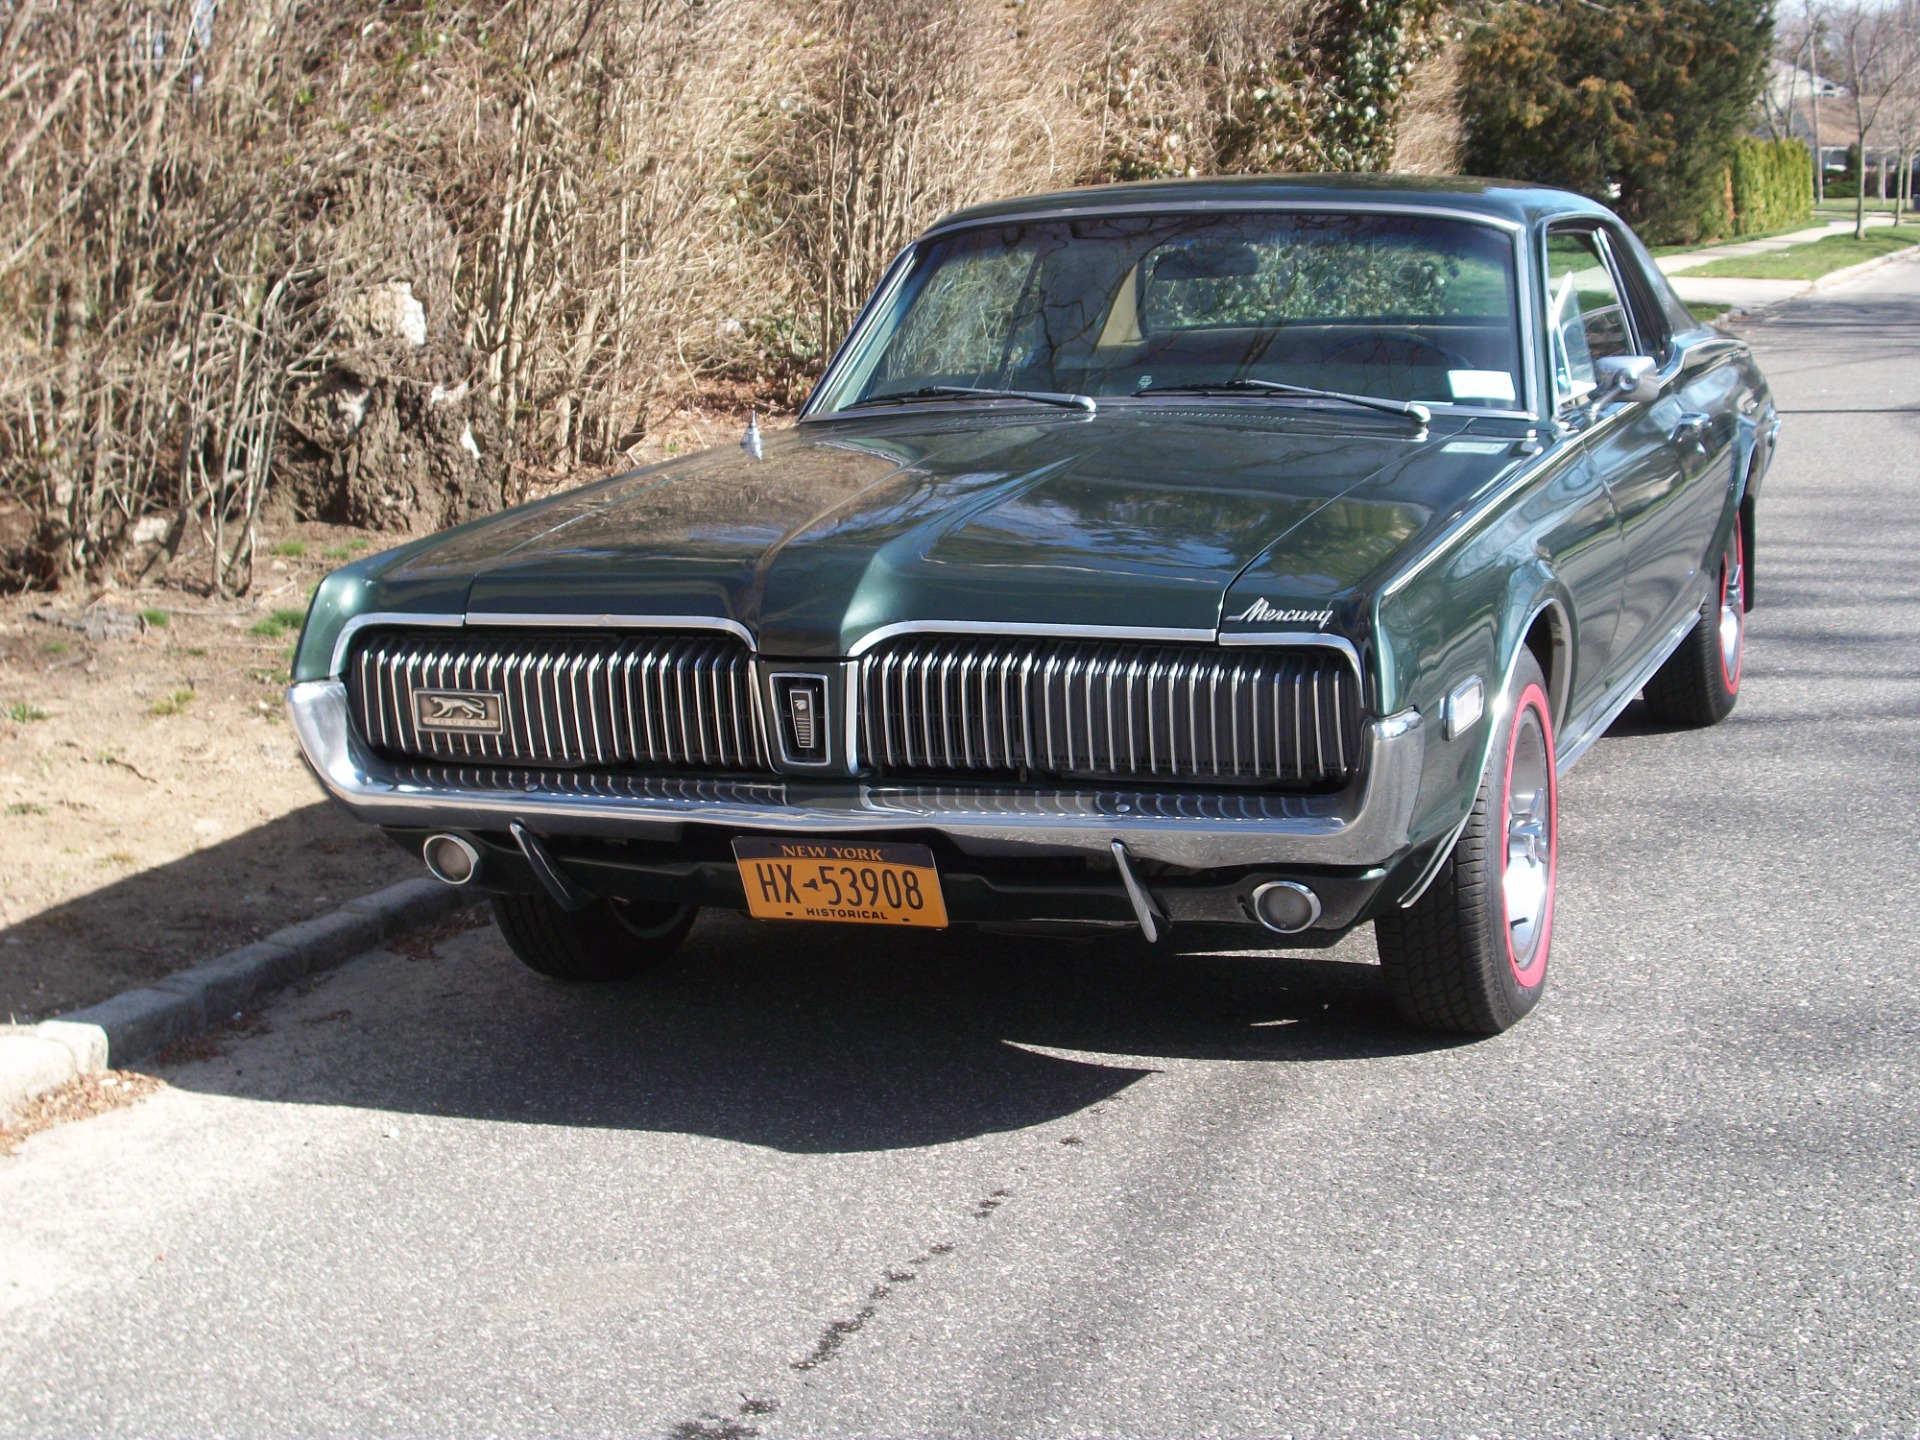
<point>1527,881</point>
<point>1733,610</point>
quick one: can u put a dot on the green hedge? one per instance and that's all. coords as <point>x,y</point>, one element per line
<point>1771,185</point>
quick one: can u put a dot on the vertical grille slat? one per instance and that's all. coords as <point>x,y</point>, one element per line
<point>637,700</point>
<point>1034,709</point>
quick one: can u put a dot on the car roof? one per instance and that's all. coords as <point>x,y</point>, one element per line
<point>1508,200</point>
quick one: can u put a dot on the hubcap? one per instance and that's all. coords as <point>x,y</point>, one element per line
<point>1733,611</point>
<point>1527,882</point>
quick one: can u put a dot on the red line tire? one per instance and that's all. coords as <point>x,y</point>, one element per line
<point>609,940</point>
<point>1701,680</point>
<point>1470,956</point>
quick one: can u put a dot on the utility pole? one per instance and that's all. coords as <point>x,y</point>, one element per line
<point>1813,105</point>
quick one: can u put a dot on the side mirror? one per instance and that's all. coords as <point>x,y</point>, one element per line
<point>1627,377</point>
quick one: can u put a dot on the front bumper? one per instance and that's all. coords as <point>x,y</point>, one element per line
<point>1363,826</point>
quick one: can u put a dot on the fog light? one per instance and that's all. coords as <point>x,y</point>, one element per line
<point>450,859</point>
<point>1285,907</point>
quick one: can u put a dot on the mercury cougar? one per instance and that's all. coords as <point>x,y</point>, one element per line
<point>1255,553</point>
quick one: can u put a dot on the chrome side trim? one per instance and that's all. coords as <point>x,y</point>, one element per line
<point>1053,632</point>
<point>1608,710</point>
<point>1365,825</point>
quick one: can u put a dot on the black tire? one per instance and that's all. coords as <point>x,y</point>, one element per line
<point>1453,960</point>
<point>1701,680</point>
<point>609,940</point>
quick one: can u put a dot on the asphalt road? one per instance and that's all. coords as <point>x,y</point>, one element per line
<point>850,1184</point>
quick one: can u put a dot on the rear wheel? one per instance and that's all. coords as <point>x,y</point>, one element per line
<point>1701,680</point>
<point>609,940</point>
<point>1470,955</point>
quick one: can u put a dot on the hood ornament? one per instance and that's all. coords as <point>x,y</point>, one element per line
<point>750,442</point>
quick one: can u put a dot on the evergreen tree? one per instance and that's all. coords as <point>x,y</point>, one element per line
<point>1644,95</point>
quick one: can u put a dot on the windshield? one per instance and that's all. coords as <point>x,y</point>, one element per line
<point>1404,307</point>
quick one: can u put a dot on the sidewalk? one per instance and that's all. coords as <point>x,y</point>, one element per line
<point>1745,294</point>
<point>1677,264</point>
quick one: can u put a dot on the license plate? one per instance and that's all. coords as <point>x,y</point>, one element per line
<point>848,882</point>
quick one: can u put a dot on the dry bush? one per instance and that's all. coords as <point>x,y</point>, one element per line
<point>407,261</point>
<point>901,110</point>
<point>153,317</point>
<point>1431,137</point>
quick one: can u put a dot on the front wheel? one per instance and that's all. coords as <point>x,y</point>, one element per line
<point>1470,955</point>
<point>609,940</point>
<point>1700,681</point>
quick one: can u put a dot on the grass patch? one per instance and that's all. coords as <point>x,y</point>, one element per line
<point>1707,309</point>
<point>156,619</point>
<point>292,549</point>
<point>54,647</point>
<point>20,712</point>
<point>279,623</point>
<point>338,552</point>
<point>117,858</point>
<point>1812,260</point>
<point>173,704</point>
<point>26,807</point>
<point>1660,252</point>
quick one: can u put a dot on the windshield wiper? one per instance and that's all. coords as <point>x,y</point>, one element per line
<point>962,392</point>
<point>1410,408</point>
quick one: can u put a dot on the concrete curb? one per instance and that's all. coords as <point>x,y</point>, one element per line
<point>133,1024</point>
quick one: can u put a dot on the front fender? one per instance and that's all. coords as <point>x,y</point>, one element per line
<point>1466,614</point>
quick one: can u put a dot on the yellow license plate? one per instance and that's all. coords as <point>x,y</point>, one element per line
<point>848,882</point>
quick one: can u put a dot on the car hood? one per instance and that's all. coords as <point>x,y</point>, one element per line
<point>837,530</point>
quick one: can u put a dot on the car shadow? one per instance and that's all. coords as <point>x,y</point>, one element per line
<point>143,925</point>
<point>1638,720</point>
<point>800,1040</point>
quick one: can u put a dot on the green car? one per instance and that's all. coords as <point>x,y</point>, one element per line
<point>1162,557</point>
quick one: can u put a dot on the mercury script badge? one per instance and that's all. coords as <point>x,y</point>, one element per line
<point>1260,612</point>
<point>472,711</point>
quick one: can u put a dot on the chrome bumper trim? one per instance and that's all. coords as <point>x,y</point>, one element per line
<point>1365,825</point>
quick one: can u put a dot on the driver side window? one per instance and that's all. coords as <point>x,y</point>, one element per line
<point>1586,316</point>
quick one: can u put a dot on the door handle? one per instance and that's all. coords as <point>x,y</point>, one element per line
<point>1691,429</point>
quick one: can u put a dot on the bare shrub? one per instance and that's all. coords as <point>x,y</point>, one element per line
<point>406,261</point>
<point>1430,136</point>
<point>154,317</point>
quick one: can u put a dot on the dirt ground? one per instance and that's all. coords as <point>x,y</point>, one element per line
<point>154,811</point>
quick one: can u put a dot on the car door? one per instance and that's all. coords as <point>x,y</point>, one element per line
<point>1698,408</point>
<point>1632,445</point>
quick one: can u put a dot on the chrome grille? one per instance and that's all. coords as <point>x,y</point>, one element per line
<point>679,701</point>
<point>1037,708</point>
